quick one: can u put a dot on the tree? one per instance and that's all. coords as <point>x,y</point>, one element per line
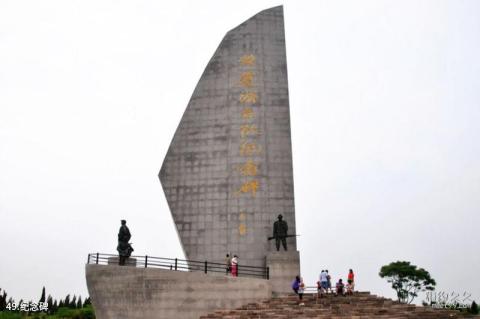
<point>407,280</point>
<point>50,304</point>
<point>3,300</point>
<point>79,303</point>
<point>66,302</point>
<point>474,308</point>
<point>73,303</point>
<point>87,302</point>
<point>42,298</point>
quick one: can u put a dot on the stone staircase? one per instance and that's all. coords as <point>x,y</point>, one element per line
<point>358,306</point>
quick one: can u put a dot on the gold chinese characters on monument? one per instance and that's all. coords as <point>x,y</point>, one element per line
<point>249,149</point>
<point>248,98</point>
<point>247,113</point>
<point>248,169</point>
<point>249,187</point>
<point>248,129</point>
<point>246,79</point>
<point>248,134</point>
<point>247,59</point>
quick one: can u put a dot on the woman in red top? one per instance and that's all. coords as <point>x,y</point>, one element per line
<point>350,281</point>
<point>350,277</point>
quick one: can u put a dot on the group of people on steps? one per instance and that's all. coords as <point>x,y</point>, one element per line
<point>324,285</point>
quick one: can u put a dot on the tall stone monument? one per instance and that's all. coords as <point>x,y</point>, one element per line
<point>228,172</point>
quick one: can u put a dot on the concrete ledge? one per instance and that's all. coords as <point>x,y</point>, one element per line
<point>284,266</point>
<point>131,262</point>
<point>119,292</point>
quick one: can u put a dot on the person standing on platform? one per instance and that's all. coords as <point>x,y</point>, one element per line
<point>228,263</point>
<point>235,266</point>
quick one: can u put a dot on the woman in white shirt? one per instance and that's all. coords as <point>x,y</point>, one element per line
<point>235,266</point>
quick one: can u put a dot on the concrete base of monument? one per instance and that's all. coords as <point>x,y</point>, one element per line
<point>128,261</point>
<point>119,292</point>
<point>283,267</point>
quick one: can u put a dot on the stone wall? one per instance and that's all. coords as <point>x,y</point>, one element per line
<point>137,293</point>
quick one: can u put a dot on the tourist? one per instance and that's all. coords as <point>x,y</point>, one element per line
<point>329,282</point>
<point>349,289</point>
<point>351,282</point>
<point>234,266</point>
<point>323,281</point>
<point>340,287</point>
<point>228,263</point>
<point>301,290</point>
<point>296,284</point>
<point>351,277</point>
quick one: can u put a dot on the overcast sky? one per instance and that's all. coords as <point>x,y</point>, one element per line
<point>384,101</point>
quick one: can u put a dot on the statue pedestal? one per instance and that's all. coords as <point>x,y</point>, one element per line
<point>283,267</point>
<point>132,262</point>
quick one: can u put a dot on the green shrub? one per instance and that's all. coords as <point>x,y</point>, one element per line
<point>10,315</point>
<point>83,313</point>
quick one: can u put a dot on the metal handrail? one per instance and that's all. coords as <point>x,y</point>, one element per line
<point>176,264</point>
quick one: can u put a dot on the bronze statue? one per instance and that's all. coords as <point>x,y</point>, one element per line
<point>124,248</point>
<point>280,229</point>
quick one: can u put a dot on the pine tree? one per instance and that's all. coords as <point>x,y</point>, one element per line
<point>55,306</point>
<point>49,304</point>
<point>66,302</point>
<point>3,300</point>
<point>73,303</point>
<point>474,308</point>
<point>42,298</point>
<point>79,303</point>
<point>87,302</point>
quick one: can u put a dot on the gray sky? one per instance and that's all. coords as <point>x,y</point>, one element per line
<point>384,99</point>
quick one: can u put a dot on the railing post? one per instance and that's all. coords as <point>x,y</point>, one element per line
<point>205,266</point>
<point>176,261</point>
<point>97,259</point>
<point>268,273</point>
<point>146,261</point>
<point>88,260</point>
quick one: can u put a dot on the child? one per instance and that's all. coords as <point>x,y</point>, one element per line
<point>301,290</point>
<point>349,289</point>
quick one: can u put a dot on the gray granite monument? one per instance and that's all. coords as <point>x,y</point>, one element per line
<point>228,172</point>
<point>227,177</point>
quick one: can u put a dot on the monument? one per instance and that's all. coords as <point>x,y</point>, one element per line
<point>227,176</point>
<point>228,172</point>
